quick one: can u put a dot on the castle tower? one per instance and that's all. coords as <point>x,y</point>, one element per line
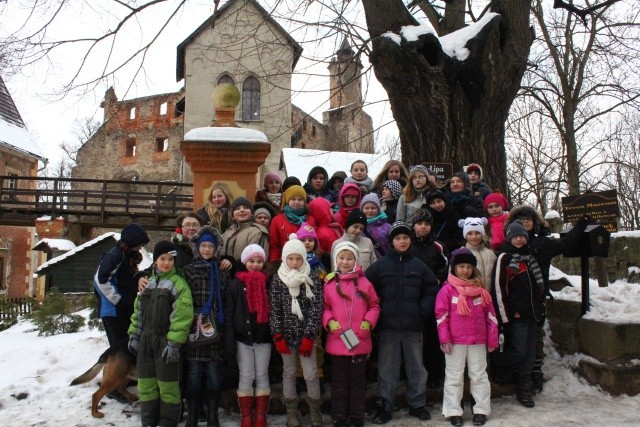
<point>345,77</point>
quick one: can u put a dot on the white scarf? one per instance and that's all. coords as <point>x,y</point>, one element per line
<point>294,279</point>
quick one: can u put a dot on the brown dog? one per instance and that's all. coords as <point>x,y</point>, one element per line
<point>119,368</point>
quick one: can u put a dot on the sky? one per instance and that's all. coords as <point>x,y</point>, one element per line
<point>50,118</point>
<point>43,367</point>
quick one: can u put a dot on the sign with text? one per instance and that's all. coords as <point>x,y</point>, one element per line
<point>442,171</point>
<point>602,207</point>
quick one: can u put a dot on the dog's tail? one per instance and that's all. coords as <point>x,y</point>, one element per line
<point>93,371</point>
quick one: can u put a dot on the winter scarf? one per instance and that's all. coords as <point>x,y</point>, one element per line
<point>214,283</point>
<point>293,280</point>
<point>367,182</point>
<point>316,265</point>
<point>457,198</point>
<point>468,288</point>
<point>295,216</point>
<point>256,285</point>
<point>274,198</point>
<point>531,263</point>
<point>381,215</point>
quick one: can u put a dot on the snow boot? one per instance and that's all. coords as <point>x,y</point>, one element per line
<point>314,412</point>
<point>245,402</point>
<point>293,413</point>
<point>212,401</point>
<point>525,398</point>
<point>262,407</point>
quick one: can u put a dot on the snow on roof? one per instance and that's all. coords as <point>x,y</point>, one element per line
<point>18,138</point>
<point>454,44</point>
<point>59,244</point>
<point>412,32</point>
<point>146,259</point>
<point>552,214</point>
<point>299,161</point>
<point>225,134</point>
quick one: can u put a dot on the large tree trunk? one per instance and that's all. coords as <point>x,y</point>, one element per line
<point>448,110</point>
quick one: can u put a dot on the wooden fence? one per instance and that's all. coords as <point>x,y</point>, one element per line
<point>12,307</point>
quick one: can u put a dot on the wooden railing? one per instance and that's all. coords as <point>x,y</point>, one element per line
<point>12,307</point>
<point>98,199</point>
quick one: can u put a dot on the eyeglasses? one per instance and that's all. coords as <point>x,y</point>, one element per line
<point>190,225</point>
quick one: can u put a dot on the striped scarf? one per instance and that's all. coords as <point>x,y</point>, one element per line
<point>531,263</point>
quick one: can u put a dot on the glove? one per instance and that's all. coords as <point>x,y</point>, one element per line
<point>446,348</point>
<point>306,347</point>
<point>171,353</point>
<point>365,325</point>
<point>281,344</point>
<point>133,345</point>
<point>333,325</point>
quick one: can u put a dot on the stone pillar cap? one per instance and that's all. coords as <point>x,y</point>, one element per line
<point>226,134</point>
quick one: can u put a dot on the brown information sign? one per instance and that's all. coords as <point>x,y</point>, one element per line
<point>602,207</point>
<point>442,171</point>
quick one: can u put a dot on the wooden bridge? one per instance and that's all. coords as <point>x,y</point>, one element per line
<point>93,202</point>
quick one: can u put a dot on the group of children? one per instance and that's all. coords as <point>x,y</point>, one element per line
<point>343,267</point>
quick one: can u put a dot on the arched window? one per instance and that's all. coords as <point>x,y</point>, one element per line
<point>251,99</point>
<point>226,78</point>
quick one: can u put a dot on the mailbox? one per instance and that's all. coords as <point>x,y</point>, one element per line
<point>594,241</point>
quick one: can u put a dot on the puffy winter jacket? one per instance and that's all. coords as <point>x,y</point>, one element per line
<point>481,327</point>
<point>242,325</point>
<point>445,228</point>
<point>379,232</point>
<point>407,290</point>
<point>486,260</point>
<point>355,309</point>
<point>242,234</point>
<point>279,232</point>
<point>327,230</point>
<point>434,254</point>
<point>114,283</point>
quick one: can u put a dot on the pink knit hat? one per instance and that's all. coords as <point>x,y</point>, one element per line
<point>496,198</point>
<point>271,176</point>
<point>306,231</point>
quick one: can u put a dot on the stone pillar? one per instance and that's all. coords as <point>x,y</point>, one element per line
<point>224,151</point>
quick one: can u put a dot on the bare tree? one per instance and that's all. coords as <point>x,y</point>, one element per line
<point>83,129</point>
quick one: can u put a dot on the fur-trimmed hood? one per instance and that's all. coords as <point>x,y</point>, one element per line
<point>540,225</point>
<point>193,242</point>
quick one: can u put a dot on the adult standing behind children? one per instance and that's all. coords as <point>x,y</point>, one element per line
<point>407,289</point>
<point>114,282</point>
<point>159,326</point>
<point>216,210</point>
<point>294,213</point>
<point>242,232</point>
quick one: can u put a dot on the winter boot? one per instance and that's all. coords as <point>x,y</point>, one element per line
<point>193,405</point>
<point>314,412</point>
<point>150,412</point>
<point>262,407</point>
<point>525,398</point>
<point>212,400</point>
<point>245,401</point>
<point>382,415</point>
<point>293,413</point>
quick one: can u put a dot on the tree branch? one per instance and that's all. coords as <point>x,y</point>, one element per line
<point>582,12</point>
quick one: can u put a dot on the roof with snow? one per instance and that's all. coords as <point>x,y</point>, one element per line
<point>59,245</point>
<point>299,161</point>
<point>13,132</point>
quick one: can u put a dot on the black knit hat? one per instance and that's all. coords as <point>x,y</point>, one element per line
<point>356,217</point>
<point>134,235</point>
<point>434,194</point>
<point>289,181</point>
<point>241,201</point>
<point>164,247</point>
<point>462,256</point>
<point>423,214</point>
<point>515,229</point>
<point>398,227</point>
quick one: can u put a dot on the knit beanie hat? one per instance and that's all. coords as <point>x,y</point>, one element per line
<point>496,198</point>
<point>207,237</point>
<point>265,208</point>
<point>464,177</point>
<point>293,246</point>
<point>394,186</point>
<point>134,235</point>
<point>462,256</point>
<point>434,194</point>
<point>474,167</point>
<point>252,251</point>
<point>419,168</point>
<point>356,217</point>
<point>306,231</point>
<point>398,227</point>
<point>473,224</point>
<point>289,181</point>
<point>271,176</point>
<point>515,229</point>
<point>241,201</point>
<point>349,246</point>
<point>423,214</point>
<point>291,192</point>
<point>371,198</point>
<point>164,247</point>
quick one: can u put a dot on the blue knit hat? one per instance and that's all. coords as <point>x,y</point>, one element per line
<point>208,237</point>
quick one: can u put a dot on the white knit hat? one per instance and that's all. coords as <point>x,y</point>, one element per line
<point>252,251</point>
<point>473,224</point>
<point>349,246</point>
<point>293,246</point>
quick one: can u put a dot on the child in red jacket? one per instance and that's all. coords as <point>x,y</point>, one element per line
<point>467,326</point>
<point>294,213</point>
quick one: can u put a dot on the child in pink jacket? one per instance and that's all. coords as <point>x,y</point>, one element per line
<point>351,310</point>
<point>467,326</point>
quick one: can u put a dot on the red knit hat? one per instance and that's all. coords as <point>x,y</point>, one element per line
<point>496,198</point>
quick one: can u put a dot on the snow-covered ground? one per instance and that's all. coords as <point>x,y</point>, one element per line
<point>43,367</point>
